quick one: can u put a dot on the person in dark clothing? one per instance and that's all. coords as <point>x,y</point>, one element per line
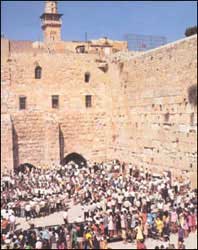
<point>165,193</point>
<point>166,230</point>
<point>176,189</point>
<point>123,167</point>
<point>80,233</point>
<point>62,237</point>
<point>96,244</point>
<point>148,206</point>
<point>118,224</point>
<point>46,244</point>
<point>180,234</point>
<point>87,245</point>
<point>32,239</point>
<point>130,170</point>
<point>95,168</point>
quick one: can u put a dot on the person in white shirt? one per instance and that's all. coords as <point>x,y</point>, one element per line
<point>103,204</point>
<point>12,220</point>
<point>126,193</point>
<point>109,204</point>
<point>27,211</point>
<point>38,244</point>
<point>120,199</point>
<point>160,205</point>
<point>110,225</point>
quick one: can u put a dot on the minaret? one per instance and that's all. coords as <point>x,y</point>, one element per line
<point>51,22</point>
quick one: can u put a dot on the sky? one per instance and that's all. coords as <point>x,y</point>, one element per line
<point>20,20</point>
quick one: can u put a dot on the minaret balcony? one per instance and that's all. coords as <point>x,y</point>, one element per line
<point>51,22</point>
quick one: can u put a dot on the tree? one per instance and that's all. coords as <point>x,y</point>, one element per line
<point>191,31</point>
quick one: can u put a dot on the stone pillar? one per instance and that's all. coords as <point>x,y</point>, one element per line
<point>51,144</point>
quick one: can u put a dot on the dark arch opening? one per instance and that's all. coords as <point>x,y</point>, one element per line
<point>24,167</point>
<point>76,158</point>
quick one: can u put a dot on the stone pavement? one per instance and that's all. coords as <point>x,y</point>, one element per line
<point>75,211</point>
<point>190,242</point>
<point>56,218</point>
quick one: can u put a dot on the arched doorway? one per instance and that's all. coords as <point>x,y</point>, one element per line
<point>24,167</point>
<point>76,158</point>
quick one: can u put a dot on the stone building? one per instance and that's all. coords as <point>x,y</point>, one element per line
<point>95,99</point>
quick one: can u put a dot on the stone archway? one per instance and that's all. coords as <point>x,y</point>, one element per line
<point>23,167</point>
<point>76,158</point>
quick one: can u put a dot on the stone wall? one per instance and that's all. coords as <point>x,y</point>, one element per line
<point>4,49</point>
<point>62,75</point>
<point>140,110</point>
<point>157,126</point>
<point>6,143</point>
<point>38,128</point>
<point>86,134</point>
<point>36,137</point>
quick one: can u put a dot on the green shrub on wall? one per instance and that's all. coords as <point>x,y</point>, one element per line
<point>192,95</point>
<point>191,31</point>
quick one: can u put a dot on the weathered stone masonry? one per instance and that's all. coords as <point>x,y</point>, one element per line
<point>37,128</point>
<point>157,126</point>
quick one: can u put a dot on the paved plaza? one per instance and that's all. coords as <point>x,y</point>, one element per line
<point>75,213</point>
<point>190,242</point>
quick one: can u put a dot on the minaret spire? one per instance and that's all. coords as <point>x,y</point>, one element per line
<point>51,6</point>
<point>51,22</point>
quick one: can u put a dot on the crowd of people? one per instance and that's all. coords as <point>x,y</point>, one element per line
<point>33,194</point>
<point>120,201</point>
